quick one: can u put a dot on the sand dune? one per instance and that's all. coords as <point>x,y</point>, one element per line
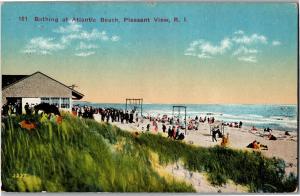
<point>285,147</point>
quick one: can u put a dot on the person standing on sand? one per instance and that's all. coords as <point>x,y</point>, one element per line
<point>122,116</point>
<point>164,128</point>
<point>107,117</point>
<point>137,117</point>
<point>174,132</point>
<point>169,132</point>
<point>155,127</point>
<point>214,134</point>
<point>148,127</point>
<point>225,140</point>
<point>126,117</point>
<point>177,133</point>
<point>131,117</point>
<point>240,124</point>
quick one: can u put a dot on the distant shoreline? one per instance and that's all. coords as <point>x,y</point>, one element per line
<point>269,104</point>
<point>277,117</point>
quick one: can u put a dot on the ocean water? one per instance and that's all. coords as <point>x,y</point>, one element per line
<point>279,117</point>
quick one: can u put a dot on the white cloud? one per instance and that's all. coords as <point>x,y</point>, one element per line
<point>85,35</point>
<point>250,59</point>
<point>42,45</point>
<point>85,54</point>
<point>239,32</point>
<point>242,46</point>
<point>115,38</point>
<point>194,43</point>
<point>254,38</point>
<point>244,50</point>
<point>276,43</point>
<point>205,49</point>
<point>190,51</point>
<point>71,28</point>
<point>41,52</point>
<point>72,33</point>
<point>45,43</point>
<point>84,46</point>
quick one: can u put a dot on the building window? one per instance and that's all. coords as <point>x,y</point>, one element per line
<point>45,100</point>
<point>54,101</point>
<point>65,103</point>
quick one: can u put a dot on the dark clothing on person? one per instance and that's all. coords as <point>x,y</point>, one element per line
<point>286,133</point>
<point>177,133</point>
<point>267,130</point>
<point>250,145</point>
<point>131,118</point>
<point>214,134</point>
<point>272,137</point>
<point>126,117</point>
<point>27,110</point>
<point>170,132</point>
<point>240,124</point>
<point>181,136</point>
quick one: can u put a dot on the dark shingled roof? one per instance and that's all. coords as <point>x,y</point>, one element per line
<point>8,80</point>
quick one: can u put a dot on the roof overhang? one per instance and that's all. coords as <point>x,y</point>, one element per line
<point>76,95</point>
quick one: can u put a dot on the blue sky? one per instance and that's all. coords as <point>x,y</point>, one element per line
<point>209,21</point>
<point>248,39</point>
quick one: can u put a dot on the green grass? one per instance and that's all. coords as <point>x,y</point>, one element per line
<point>246,168</point>
<point>83,155</point>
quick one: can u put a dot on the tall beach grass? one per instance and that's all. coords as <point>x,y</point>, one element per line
<point>83,155</point>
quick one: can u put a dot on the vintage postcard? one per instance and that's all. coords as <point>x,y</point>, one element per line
<point>149,97</point>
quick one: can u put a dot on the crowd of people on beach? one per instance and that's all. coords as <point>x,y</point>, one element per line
<point>129,117</point>
<point>111,115</point>
<point>265,132</point>
<point>119,115</point>
<point>107,114</point>
<point>175,125</point>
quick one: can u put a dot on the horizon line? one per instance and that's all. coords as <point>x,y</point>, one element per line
<point>194,103</point>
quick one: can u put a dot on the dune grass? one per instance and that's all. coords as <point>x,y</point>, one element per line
<point>77,155</point>
<point>83,155</point>
<point>259,173</point>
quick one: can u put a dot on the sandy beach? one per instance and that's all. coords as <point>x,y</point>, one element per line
<point>285,147</point>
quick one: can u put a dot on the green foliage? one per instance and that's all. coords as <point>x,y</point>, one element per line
<point>76,155</point>
<point>83,155</point>
<point>246,168</point>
